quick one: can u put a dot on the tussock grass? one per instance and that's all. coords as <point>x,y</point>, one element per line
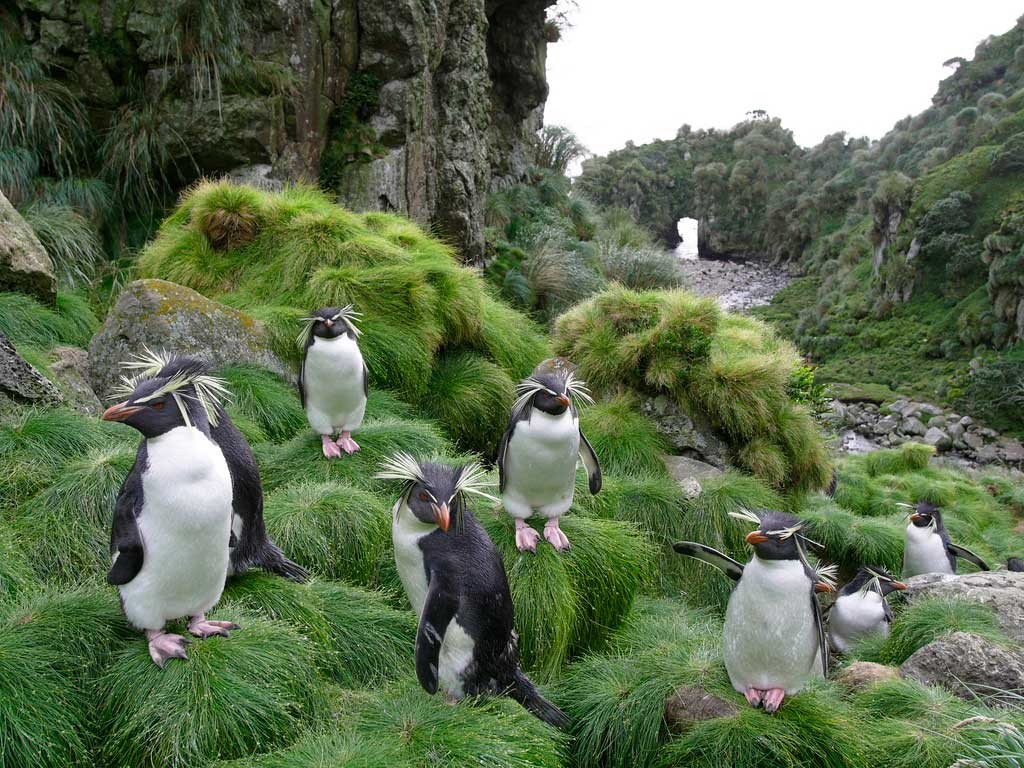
<point>927,619</point>
<point>472,398</point>
<point>279,255</point>
<point>337,530</point>
<point>625,440</point>
<point>567,603</point>
<point>851,540</point>
<point>265,399</point>
<point>731,372</point>
<point>70,240</point>
<point>25,321</point>
<point>252,692</point>
<point>16,575</point>
<point>896,461</point>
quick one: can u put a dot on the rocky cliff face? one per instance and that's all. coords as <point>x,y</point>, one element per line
<point>458,89</point>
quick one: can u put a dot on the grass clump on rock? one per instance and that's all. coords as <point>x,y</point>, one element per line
<point>278,256</point>
<point>729,371</point>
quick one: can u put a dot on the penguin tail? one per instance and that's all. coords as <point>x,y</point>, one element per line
<point>525,692</point>
<point>272,560</point>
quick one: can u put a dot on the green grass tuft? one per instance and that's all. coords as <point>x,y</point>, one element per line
<point>927,619</point>
<point>265,399</point>
<point>25,321</point>
<point>625,440</point>
<point>909,457</point>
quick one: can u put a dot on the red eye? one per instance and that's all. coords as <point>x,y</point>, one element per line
<point>159,406</point>
<point>424,496</point>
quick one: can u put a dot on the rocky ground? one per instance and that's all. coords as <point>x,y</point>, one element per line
<point>739,285</point>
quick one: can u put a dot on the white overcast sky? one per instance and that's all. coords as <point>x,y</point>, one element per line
<point>639,69</point>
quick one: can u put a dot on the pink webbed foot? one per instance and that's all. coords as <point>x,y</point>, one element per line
<point>164,646</point>
<point>526,537</point>
<point>347,444</point>
<point>555,535</point>
<point>331,449</point>
<point>202,627</point>
<point>773,700</point>
<point>754,697</point>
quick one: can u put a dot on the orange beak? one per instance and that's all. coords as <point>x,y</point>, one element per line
<point>821,586</point>
<point>756,537</point>
<point>442,517</point>
<point>563,400</point>
<point>915,517</point>
<point>898,585</point>
<point>120,412</point>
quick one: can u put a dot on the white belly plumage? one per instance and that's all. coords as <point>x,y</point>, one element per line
<point>854,617</point>
<point>457,647</point>
<point>924,552</point>
<point>333,383</point>
<point>540,465</point>
<point>185,525</point>
<point>770,636</point>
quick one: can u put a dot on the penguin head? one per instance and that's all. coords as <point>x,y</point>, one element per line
<point>926,515</point>
<point>330,323</point>
<point>551,393</point>
<point>873,578</point>
<point>777,537</point>
<point>435,493</point>
<point>179,393</point>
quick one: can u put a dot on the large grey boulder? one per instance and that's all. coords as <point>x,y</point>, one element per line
<point>70,372</point>
<point>25,265</point>
<point>937,438</point>
<point>20,382</point>
<point>167,316</point>
<point>970,666</point>
<point>685,436</point>
<point>1003,591</point>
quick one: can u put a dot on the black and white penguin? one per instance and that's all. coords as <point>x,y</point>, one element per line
<point>774,639</point>
<point>172,520</point>
<point>333,380</point>
<point>250,546</point>
<point>455,580</point>
<point>538,454</point>
<point>927,548</point>
<point>860,609</point>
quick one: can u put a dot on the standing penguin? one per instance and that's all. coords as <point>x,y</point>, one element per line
<point>250,546</point>
<point>773,634</point>
<point>455,580</point>
<point>538,454</point>
<point>172,521</point>
<point>860,608</point>
<point>333,380</point>
<point>928,549</point>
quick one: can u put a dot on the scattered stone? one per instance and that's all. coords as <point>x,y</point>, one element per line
<point>913,426</point>
<point>970,666</point>
<point>939,422</point>
<point>25,265</point>
<point>936,437</point>
<point>1011,450</point>
<point>974,440</point>
<point>1003,591</point>
<point>258,175</point>
<point>738,285</point>
<point>167,316</point>
<point>885,425</point>
<point>956,431</point>
<point>692,704</point>
<point>20,382</point>
<point>862,674</point>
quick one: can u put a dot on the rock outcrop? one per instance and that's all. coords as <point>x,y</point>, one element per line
<point>864,674</point>
<point>70,372</point>
<point>20,382</point>
<point>24,264</point>
<point>970,666</point>
<point>167,316</point>
<point>454,93</point>
<point>1003,591</point>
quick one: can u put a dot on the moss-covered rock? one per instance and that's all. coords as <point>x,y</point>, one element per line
<point>24,264</point>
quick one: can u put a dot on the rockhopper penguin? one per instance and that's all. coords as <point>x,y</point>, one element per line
<point>172,520</point>
<point>860,609</point>
<point>538,454</point>
<point>927,548</point>
<point>333,380</point>
<point>250,545</point>
<point>455,580</point>
<point>774,640</point>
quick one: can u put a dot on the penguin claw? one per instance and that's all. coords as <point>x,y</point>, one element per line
<point>331,449</point>
<point>204,628</point>
<point>773,700</point>
<point>347,444</point>
<point>753,697</point>
<point>556,536</point>
<point>526,538</point>
<point>163,646</point>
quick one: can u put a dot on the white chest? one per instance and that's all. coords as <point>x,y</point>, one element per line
<point>406,532</point>
<point>770,634</point>
<point>543,451</point>
<point>924,552</point>
<point>856,616</point>
<point>333,365</point>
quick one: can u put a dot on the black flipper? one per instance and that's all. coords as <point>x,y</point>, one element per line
<point>438,610</point>
<point>591,463</point>
<point>366,380</point>
<point>502,448</point>
<point>254,547</point>
<point>886,611</point>
<point>820,626</point>
<point>711,556</point>
<point>125,539</point>
<point>966,554</point>
<point>525,692</point>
